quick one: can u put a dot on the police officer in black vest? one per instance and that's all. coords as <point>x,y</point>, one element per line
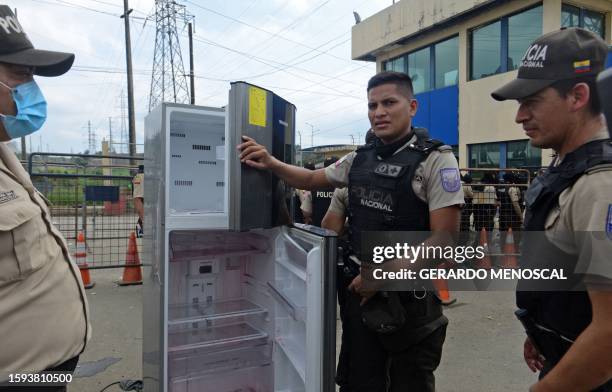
<point>322,197</point>
<point>569,213</point>
<point>400,183</point>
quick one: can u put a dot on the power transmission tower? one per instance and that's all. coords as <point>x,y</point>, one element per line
<point>169,81</point>
<point>92,138</point>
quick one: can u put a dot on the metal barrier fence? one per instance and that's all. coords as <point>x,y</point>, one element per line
<point>494,201</point>
<point>90,194</point>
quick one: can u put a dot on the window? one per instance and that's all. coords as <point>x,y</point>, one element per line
<point>523,28</point>
<point>515,154</point>
<point>485,155</point>
<point>572,16</point>
<point>446,56</point>
<point>435,66</point>
<point>486,49</point>
<point>522,154</point>
<point>499,46</point>
<point>396,65</point>
<point>419,70</point>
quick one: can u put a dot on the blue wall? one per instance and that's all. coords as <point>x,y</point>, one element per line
<point>439,112</point>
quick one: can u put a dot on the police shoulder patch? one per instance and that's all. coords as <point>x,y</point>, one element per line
<point>451,181</point>
<point>609,222</point>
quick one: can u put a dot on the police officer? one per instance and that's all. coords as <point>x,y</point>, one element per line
<point>510,212</point>
<point>569,213</point>
<point>321,198</point>
<point>43,307</point>
<point>138,197</point>
<point>400,183</point>
<point>335,220</point>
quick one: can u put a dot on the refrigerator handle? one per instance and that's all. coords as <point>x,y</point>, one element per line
<point>286,302</point>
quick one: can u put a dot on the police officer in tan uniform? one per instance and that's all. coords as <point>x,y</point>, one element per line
<point>43,308</point>
<point>569,213</point>
<point>402,183</point>
<point>138,197</point>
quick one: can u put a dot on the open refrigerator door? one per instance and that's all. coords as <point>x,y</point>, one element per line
<point>247,311</point>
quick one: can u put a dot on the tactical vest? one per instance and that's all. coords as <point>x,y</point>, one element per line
<point>566,312</point>
<point>320,203</point>
<point>506,208</point>
<point>380,192</point>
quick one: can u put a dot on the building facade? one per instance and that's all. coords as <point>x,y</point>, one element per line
<point>457,52</point>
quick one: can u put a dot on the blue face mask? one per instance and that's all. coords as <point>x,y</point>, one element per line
<point>31,110</point>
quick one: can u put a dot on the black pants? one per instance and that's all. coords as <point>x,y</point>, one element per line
<point>371,368</point>
<point>484,215</point>
<point>67,367</point>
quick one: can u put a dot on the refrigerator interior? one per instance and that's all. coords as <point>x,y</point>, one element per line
<point>196,161</point>
<point>238,308</point>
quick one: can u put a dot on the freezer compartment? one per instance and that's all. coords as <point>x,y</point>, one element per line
<point>196,161</point>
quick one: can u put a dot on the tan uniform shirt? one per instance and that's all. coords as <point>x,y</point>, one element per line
<point>581,224</point>
<point>43,307</point>
<point>431,182</point>
<point>138,182</point>
<point>305,200</point>
<point>486,196</point>
<point>339,201</point>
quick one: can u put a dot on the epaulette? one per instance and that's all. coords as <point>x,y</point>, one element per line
<point>428,145</point>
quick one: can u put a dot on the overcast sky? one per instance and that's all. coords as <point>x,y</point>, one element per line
<point>300,49</point>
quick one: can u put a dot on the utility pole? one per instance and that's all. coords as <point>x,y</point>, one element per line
<point>130,81</point>
<point>311,134</point>
<point>110,134</point>
<point>352,139</point>
<point>191,76</point>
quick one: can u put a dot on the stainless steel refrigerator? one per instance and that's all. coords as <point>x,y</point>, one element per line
<point>234,300</point>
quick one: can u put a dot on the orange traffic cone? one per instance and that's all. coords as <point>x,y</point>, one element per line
<point>485,262</point>
<point>131,274</point>
<point>442,288</point>
<point>509,260</point>
<point>80,257</point>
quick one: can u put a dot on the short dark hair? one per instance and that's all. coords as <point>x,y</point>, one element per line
<point>399,79</point>
<point>563,87</point>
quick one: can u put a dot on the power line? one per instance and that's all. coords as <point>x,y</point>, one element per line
<point>259,28</point>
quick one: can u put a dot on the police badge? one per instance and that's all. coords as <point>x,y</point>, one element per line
<point>609,222</point>
<point>451,181</point>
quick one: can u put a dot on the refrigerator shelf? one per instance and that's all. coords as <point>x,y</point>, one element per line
<point>188,313</point>
<point>289,266</point>
<point>197,364</point>
<point>198,254</point>
<point>294,353</point>
<point>213,336</point>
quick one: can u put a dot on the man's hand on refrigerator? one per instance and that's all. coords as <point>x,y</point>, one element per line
<point>255,155</point>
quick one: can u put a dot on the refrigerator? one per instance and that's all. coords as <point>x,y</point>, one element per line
<point>236,298</point>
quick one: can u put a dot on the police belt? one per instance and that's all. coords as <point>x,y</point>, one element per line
<point>550,343</point>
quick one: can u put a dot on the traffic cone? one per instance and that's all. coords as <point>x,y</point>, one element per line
<point>131,274</point>
<point>509,260</point>
<point>485,262</point>
<point>442,288</point>
<point>80,258</point>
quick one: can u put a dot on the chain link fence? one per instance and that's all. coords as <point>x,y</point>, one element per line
<point>90,194</point>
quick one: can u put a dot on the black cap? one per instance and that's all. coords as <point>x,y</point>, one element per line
<point>564,54</point>
<point>16,48</point>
